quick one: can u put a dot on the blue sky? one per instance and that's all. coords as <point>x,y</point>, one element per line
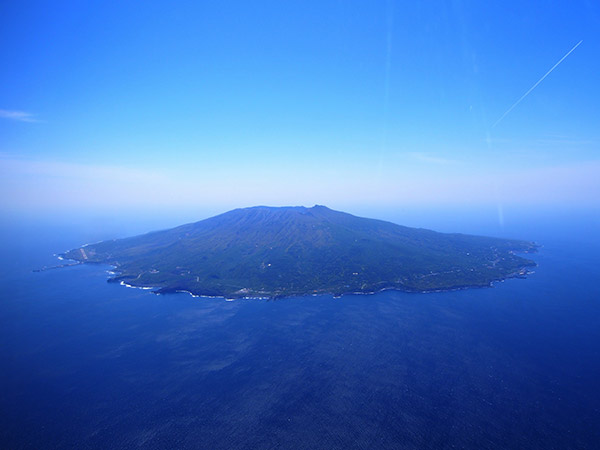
<point>151,106</point>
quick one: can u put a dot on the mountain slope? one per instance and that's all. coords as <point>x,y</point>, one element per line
<point>264,251</point>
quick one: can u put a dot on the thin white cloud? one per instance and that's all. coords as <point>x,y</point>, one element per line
<point>425,158</point>
<point>548,140</point>
<point>564,141</point>
<point>20,116</point>
<point>10,165</point>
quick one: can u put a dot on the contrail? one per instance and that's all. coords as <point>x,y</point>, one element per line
<point>535,85</point>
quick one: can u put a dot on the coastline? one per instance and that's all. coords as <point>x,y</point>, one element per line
<point>158,290</point>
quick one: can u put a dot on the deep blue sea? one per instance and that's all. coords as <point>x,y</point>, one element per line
<point>88,364</point>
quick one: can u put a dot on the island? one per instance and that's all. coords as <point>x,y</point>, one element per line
<point>279,252</point>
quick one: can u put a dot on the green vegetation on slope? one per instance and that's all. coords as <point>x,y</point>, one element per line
<point>274,252</point>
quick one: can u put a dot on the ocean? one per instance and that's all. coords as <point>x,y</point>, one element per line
<point>92,365</point>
